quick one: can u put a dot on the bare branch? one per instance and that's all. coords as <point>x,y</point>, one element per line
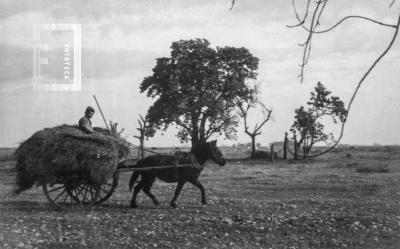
<point>394,37</point>
<point>244,111</point>
<point>319,8</point>
<point>349,17</point>
<point>212,127</point>
<point>265,121</point>
<point>143,119</point>
<point>313,24</point>
<point>233,3</point>
<point>301,21</point>
<point>182,125</point>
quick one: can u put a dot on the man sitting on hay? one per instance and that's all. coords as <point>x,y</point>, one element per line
<point>85,124</point>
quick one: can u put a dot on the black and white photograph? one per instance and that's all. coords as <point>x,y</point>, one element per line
<point>270,124</point>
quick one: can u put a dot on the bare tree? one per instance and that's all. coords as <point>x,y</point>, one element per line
<point>114,130</point>
<point>145,131</point>
<point>253,133</point>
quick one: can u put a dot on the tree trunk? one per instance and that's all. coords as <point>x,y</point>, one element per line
<point>309,149</point>
<point>195,140</point>
<point>253,146</point>
<point>195,131</point>
<point>272,153</point>
<point>285,145</point>
<point>295,145</point>
<point>195,136</point>
<point>142,147</point>
<point>202,128</point>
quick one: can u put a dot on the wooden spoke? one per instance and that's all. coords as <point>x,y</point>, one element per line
<point>77,197</point>
<point>86,190</point>
<point>60,194</point>
<point>107,189</point>
<point>70,197</point>
<point>65,195</point>
<point>91,191</point>
<point>55,189</point>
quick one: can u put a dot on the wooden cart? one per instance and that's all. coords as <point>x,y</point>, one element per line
<point>72,191</point>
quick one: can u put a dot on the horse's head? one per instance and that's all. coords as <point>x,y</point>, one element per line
<point>214,153</point>
<point>208,150</point>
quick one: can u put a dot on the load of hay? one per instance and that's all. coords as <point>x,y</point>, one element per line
<point>53,154</point>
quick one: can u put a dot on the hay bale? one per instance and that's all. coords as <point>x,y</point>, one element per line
<point>53,154</point>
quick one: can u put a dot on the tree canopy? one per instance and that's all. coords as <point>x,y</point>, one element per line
<point>197,89</point>
<point>308,121</point>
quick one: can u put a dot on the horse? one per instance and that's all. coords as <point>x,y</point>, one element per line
<point>194,164</point>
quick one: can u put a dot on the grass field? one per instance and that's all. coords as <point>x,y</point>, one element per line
<point>349,199</point>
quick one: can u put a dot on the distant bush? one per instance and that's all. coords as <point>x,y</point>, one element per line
<point>353,164</point>
<point>6,154</point>
<point>373,169</point>
<point>344,165</point>
<point>264,154</point>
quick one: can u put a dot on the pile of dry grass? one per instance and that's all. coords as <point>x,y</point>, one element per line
<point>52,154</point>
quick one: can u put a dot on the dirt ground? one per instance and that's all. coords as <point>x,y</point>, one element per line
<point>349,199</point>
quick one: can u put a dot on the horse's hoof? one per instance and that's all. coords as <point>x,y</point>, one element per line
<point>174,205</point>
<point>156,203</point>
<point>204,202</point>
<point>134,206</point>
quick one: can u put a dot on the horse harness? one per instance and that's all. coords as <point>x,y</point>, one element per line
<point>185,158</point>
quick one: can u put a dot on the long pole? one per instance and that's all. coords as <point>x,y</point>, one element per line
<point>101,112</point>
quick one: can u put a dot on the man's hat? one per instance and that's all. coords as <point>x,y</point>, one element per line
<point>89,109</point>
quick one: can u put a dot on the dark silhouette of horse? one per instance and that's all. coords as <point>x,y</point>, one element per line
<point>195,159</point>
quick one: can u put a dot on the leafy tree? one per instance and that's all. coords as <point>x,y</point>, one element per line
<point>197,89</point>
<point>307,122</point>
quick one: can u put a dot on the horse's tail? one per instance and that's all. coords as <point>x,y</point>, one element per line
<point>133,179</point>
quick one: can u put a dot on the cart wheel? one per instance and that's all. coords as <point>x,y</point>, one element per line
<point>66,195</point>
<point>107,189</point>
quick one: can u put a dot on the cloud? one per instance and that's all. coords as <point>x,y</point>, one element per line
<point>121,40</point>
<point>16,62</point>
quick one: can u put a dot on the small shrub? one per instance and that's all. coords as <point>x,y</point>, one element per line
<point>353,164</point>
<point>6,155</point>
<point>264,154</point>
<point>373,169</point>
<point>343,165</point>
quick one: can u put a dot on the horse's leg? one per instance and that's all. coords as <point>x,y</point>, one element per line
<point>147,188</point>
<point>202,190</point>
<point>176,194</point>
<point>135,192</point>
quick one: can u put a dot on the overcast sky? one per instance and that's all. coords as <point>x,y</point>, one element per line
<point>122,39</point>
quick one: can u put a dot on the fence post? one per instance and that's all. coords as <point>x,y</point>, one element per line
<point>285,145</point>
<point>295,145</point>
<point>272,153</point>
